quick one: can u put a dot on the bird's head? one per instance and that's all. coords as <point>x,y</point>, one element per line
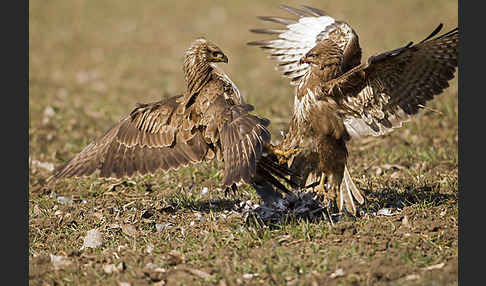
<point>214,54</point>
<point>198,60</point>
<point>206,51</point>
<point>324,57</point>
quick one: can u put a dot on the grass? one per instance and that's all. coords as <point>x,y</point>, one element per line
<point>90,62</point>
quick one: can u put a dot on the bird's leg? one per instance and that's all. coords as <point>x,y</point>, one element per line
<point>327,188</point>
<point>333,188</point>
<point>321,188</point>
<point>282,156</point>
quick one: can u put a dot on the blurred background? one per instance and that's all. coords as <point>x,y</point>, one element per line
<point>91,61</point>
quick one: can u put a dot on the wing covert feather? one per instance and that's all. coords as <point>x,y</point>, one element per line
<point>377,96</point>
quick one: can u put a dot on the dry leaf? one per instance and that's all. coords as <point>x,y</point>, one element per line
<point>154,272</point>
<point>405,222</point>
<point>175,257</point>
<point>199,273</point>
<point>130,230</point>
<point>436,266</point>
<point>42,165</point>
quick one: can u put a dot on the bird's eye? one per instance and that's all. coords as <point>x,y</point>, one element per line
<point>216,54</point>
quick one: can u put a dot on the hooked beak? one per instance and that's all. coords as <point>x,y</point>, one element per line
<point>220,58</point>
<point>224,59</point>
<point>305,60</point>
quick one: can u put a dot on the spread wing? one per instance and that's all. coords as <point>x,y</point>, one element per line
<point>380,94</point>
<point>152,137</point>
<point>162,136</point>
<point>301,35</point>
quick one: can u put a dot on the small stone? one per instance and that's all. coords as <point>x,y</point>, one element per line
<point>249,275</point>
<point>149,249</point>
<point>412,277</point>
<point>109,269</point>
<point>385,212</point>
<point>64,200</point>
<point>204,191</point>
<point>59,261</point>
<point>93,239</point>
<point>161,227</point>
<point>339,272</point>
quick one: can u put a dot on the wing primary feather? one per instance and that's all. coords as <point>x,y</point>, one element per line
<point>268,31</point>
<point>389,53</point>
<point>451,32</point>
<point>437,30</point>
<point>262,43</point>
<point>279,20</point>
<point>297,12</point>
<point>314,11</point>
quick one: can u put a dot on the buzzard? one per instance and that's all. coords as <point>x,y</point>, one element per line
<point>337,97</point>
<point>209,120</point>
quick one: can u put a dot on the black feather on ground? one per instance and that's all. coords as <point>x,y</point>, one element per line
<point>294,206</point>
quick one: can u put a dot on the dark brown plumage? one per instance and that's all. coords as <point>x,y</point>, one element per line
<point>338,98</point>
<point>210,120</point>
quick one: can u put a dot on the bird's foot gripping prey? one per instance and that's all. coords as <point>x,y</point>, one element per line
<point>283,156</point>
<point>325,190</point>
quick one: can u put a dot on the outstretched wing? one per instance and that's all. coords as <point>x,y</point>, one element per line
<point>380,94</point>
<point>301,35</point>
<point>151,138</point>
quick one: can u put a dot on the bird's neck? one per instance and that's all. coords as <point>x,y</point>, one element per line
<point>309,82</point>
<point>197,73</point>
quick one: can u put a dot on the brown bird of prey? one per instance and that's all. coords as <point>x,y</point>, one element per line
<point>209,120</point>
<point>337,97</point>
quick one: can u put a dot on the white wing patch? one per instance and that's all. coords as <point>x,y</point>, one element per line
<point>357,127</point>
<point>301,35</point>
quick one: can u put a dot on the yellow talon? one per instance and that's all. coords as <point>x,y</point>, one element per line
<point>283,156</point>
<point>321,189</point>
<point>328,193</point>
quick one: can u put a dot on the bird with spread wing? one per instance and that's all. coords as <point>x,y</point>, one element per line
<point>337,97</point>
<point>209,120</point>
